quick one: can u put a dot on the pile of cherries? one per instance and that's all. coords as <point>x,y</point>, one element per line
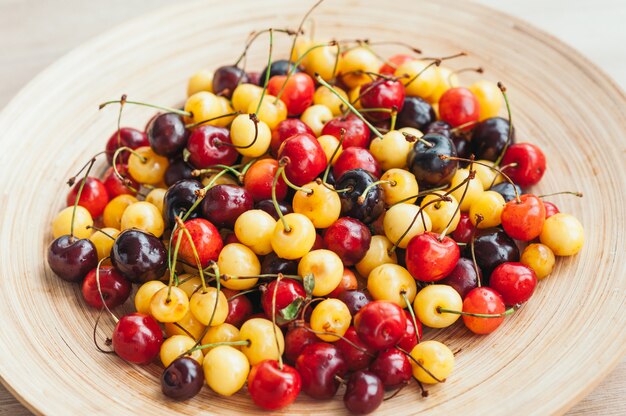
<point>293,229</point>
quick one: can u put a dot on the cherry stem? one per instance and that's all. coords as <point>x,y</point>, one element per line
<point>242,293</point>
<point>432,191</point>
<point>95,339</point>
<point>421,365</point>
<point>421,386</point>
<point>466,181</point>
<point>255,35</point>
<point>255,120</point>
<point>172,262</point>
<point>479,315</point>
<point>447,58</point>
<point>304,19</point>
<point>436,62</point>
<point>350,106</point>
<point>274,326</point>
<point>502,168</point>
<point>577,194</point>
<point>215,168</point>
<point>412,313</point>
<point>478,70</point>
<point>215,344</point>
<point>124,180</point>
<point>333,334</point>
<point>479,219</point>
<point>184,229</point>
<point>294,186</point>
<point>79,193</point>
<point>361,199</point>
<point>115,319</point>
<point>412,138</point>
<point>463,126</point>
<point>202,192</point>
<point>267,73</point>
<point>100,230</point>
<point>398,390</point>
<point>245,169</point>
<point>392,123</point>
<point>71,181</point>
<point>216,270</point>
<point>158,107</point>
<point>278,174</point>
<point>510,133</point>
<point>208,120</point>
<point>227,277</point>
<point>342,135</point>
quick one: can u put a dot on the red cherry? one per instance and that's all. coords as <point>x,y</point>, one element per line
<point>239,310</point>
<point>429,259</point>
<point>409,338</point>
<point>464,230</point>
<point>524,220</point>
<point>137,338</point>
<point>483,300</point>
<point>380,324</point>
<point>206,147</point>
<point>287,291</point>
<point>364,393</point>
<point>284,130</point>
<point>463,277</point>
<point>355,158</point>
<point>389,68</point>
<point>356,358</point>
<point>357,134</point>
<point>296,339</point>
<point>530,164</point>
<point>514,281</point>
<point>223,204</point>
<point>298,93</point>
<point>306,158</point>
<point>114,184</point>
<point>259,179</point>
<point>382,93</point>
<point>318,365</point>
<point>551,209</point>
<point>349,239</point>
<point>115,288</point>
<point>392,367</point>
<point>271,387</point>
<point>94,196</point>
<point>205,237</point>
<point>458,106</point>
<point>128,137</point>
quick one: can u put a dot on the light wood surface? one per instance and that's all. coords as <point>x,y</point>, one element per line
<point>34,33</point>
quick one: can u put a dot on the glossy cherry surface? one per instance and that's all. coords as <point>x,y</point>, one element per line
<point>287,291</point>
<point>355,300</point>
<point>429,259</point>
<point>272,387</point>
<point>356,132</point>
<point>318,364</point>
<point>483,300</point>
<point>489,138</point>
<point>349,238</point>
<point>115,185</point>
<point>424,161</point>
<point>392,367</point>
<point>182,379</point>
<point>382,93</point>
<point>356,158</point>
<point>278,67</point>
<point>507,190</point>
<point>380,324</point>
<point>127,137</point>
<point>306,158</point>
<point>359,357</point>
<point>527,163</point>
<point>463,277</point>
<point>167,134</point>
<point>94,196</point>
<point>179,198</point>
<point>206,240</point>
<point>177,170</point>
<point>226,78</point>
<point>112,287</point>
<point>284,130</point>
<point>356,181</point>
<point>410,337</point>
<point>364,393</point>
<point>137,338</point>
<point>296,339</point>
<point>139,256</point>
<point>516,282</point>
<point>71,258</point>
<point>417,113</point>
<point>206,146</point>
<point>223,204</point>
<point>492,247</point>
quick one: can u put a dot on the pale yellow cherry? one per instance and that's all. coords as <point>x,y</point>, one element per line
<point>391,150</point>
<point>377,254</point>
<point>220,333</point>
<point>329,144</point>
<point>322,206</point>
<point>389,282</point>
<point>355,97</point>
<point>146,167</point>
<point>419,86</point>
<point>254,229</point>
<point>238,263</point>
<point>540,258</point>
<point>102,241</point>
<point>441,212</point>
<point>200,81</point>
<point>260,333</point>
<point>326,268</point>
<point>489,206</point>
<point>189,283</point>
<point>430,299</point>
<point>296,242</point>
<point>175,346</point>
<point>412,131</point>
<point>322,61</point>
<point>489,98</point>
<point>112,215</point>
<point>225,370</point>
<point>446,79</point>
<point>434,357</point>
<point>326,97</point>
<point>250,142</point>
<point>271,111</point>
<point>221,180</point>
<point>169,304</point>
<point>355,64</point>
<point>302,45</point>
<point>244,95</point>
<point>485,174</point>
<point>563,234</point>
<point>402,217</point>
<point>62,223</point>
<point>474,189</point>
<point>403,185</point>
<point>144,216</point>
<point>145,293</point>
<point>226,108</point>
<point>203,306</point>
<point>155,197</point>
<point>316,116</point>
<point>203,106</point>
<point>333,316</point>
<point>186,326</point>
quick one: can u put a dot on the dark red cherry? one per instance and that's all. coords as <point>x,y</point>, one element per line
<point>94,196</point>
<point>177,170</point>
<point>206,146</point>
<point>463,231</point>
<point>116,186</point>
<point>369,208</point>
<point>463,277</point>
<point>516,282</point>
<point>506,190</point>
<point>429,259</point>
<point>139,256</point>
<point>355,300</point>
<point>424,161</point>
<point>364,393</point>
<point>356,358</point>
<point>272,387</point>
<point>167,134</point>
<point>284,130</point>
<point>530,163</point>
<point>226,78</point>
<point>392,367</point>
<point>296,339</point>
<point>417,113</point>
<point>357,134</point>
<point>179,198</point>
<point>223,204</point>
<point>458,106</point>
<point>259,179</point>
<point>439,127</point>
<point>272,264</point>
<point>356,158</point>
<point>306,158</point>
<point>380,324</point>
<point>268,206</point>
<point>114,287</point>
<point>349,239</point>
<point>489,138</point>
<point>182,379</point>
<point>71,258</point>
<point>382,93</point>
<point>137,338</point>
<point>128,137</point>
<point>492,247</point>
<point>254,77</point>
<point>206,240</point>
<point>318,365</point>
<point>287,291</point>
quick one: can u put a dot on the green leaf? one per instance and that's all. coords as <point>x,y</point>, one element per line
<point>290,312</point>
<point>309,284</point>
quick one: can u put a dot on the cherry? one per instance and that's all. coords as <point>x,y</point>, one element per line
<point>356,358</point>
<point>223,204</point>
<point>516,282</point>
<point>462,144</point>
<point>492,247</point>
<point>364,393</point>
<point>524,220</point>
<point>417,113</point>
<point>296,339</point>
<point>167,134</point>
<point>206,240</point>
<point>392,367</point>
<point>458,106</point>
<point>226,78</point>
<point>287,291</point>
<point>280,67</point>
<point>272,264</point>
<point>179,198</point>
<point>71,258</point>
<point>356,132</point>
<point>507,190</point>
<point>393,62</point>
<point>348,282</point>
<point>356,181</point>
<point>356,158</point>
<point>463,277</point>
<point>273,386</point>
<point>114,287</point>
<point>139,256</point>
<point>439,127</point>
<point>177,170</point>
<point>297,94</point>
<point>349,238</point>
<point>551,209</point>
<point>268,206</point>
<point>380,324</point>
<point>306,158</point>
<point>209,145</point>
<point>128,137</point>
<point>528,163</point>
<point>182,379</point>
<point>382,93</point>
<point>137,338</point>
<point>489,138</point>
<point>259,179</point>
<point>464,230</point>
<point>483,300</point>
<point>239,310</point>
<point>94,196</point>
<point>355,300</point>
<point>284,130</point>
<point>409,339</point>
<point>429,259</point>
<point>318,365</point>
<point>115,186</point>
<point>424,161</point>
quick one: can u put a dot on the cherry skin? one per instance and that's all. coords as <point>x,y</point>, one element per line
<point>429,259</point>
<point>284,130</point>
<point>364,393</point>
<point>356,158</point>
<point>71,258</point>
<point>356,358</point>
<point>182,379</point>
<point>348,282</point>
<point>272,264</point>
<point>259,179</point>
<point>296,339</point>
<point>226,78</point>
<point>367,210</point>
<point>410,337</point>
<point>516,282</point>
<point>137,338</point>
<point>530,163</point>
<point>272,387</point>
<point>524,220</point>
<point>306,158</point>
<point>507,190</point>
<point>223,204</point>
<point>357,134</point>
<point>115,186</point>
<point>268,206</point>
<point>139,256</point>
<point>492,247</point>
<point>94,196</point>
<point>318,365</point>
<point>128,137</point>
<point>115,288</point>
<point>483,300</point>
<point>463,231</point>
<point>463,277</point>
<point>297,94</point>
<point>551,209</point>
<point>177,170</point>
<point>438,127</point>
<point>349,239</point>
<point>417,113</point>
<point>389,67</point>
<point>167,134</point>
<point>424,161</point>
<point>355,300</point>
<point>206,240</point>
<point>239,310</point>
<point>279,67</point>
<point>489,138</point>
<point>458,106</point>
<point>206,147</point>
<point>178,199</point>
<point>380,324</point>
<point>392,367</point>
<point>287,291</point>
<point>382,93</point>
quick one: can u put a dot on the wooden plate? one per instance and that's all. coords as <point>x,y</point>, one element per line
<point>542,360</point>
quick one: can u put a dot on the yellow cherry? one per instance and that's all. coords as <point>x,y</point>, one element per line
<point>202,306</point>
<point>147,167</point>
<point>330,315</point>
<point>441,212</point>
<point>238,262</point>
<point>244,95</point>
<point>62,223</point>
<point>326,97</point>
<point>155,197</point>
<point>169,304</point>
<point>271,111</point>
<point>540,258</point>
<point>405,186</point>
<point>430,299</point>
<point>175,346</point>
<point>355,63</point>
<point>563,234</point>
<point>316,116</point>
<point>225,370</point>
<point>143,216</point>
<point>489,206</point>
<point>446,79</point>
<point>112,215</point>
<point>326,268</point>
<point>391,151</point>
<point>260,333</point>
<point>188,283</point>
<point>329,144</point>
<point>203,106</point>
<point>144,295</point>
<point>389,281</point>
<point>399,218</point>
<point>424,84</point>
<point>321,61</point>
<point>298,241</point>
<point>254,229</point>
<point>220,333</point>
<point>242,134</point>
<point>322,206</point>
<point>103,242</point>
<point>200,81</point>
<point>435,357</point>
<point>474,189</point>
<point>187,325</point>
<point>377,254</point>
<point>489,98</point>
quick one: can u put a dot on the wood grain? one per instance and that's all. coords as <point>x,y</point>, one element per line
<point>164,83</point>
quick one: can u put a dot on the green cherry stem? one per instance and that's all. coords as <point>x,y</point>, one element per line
<point>435,62</point>
<point>202,192</point>
<point>479,219</point>
<point>158,107</point>
<point>267,73</point>
<point>277,175</point>
<point>479,315</point>
<point>215,168</point>
<point>432,191</point>
<point>576,194</point>
<point>361,199</point>
<point>208,120</point>
<point>274,326</point>
<point>254,37</point>
<point>342,135</point>
<point>244,343</point>
<point>510,134</point>
<point>78,195</point>
<point>304,19</point>
<point>466,181</point>
<point>100,230</point>
<point>413,138</point>
<point>412,313</point>
<point>294,186</point>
